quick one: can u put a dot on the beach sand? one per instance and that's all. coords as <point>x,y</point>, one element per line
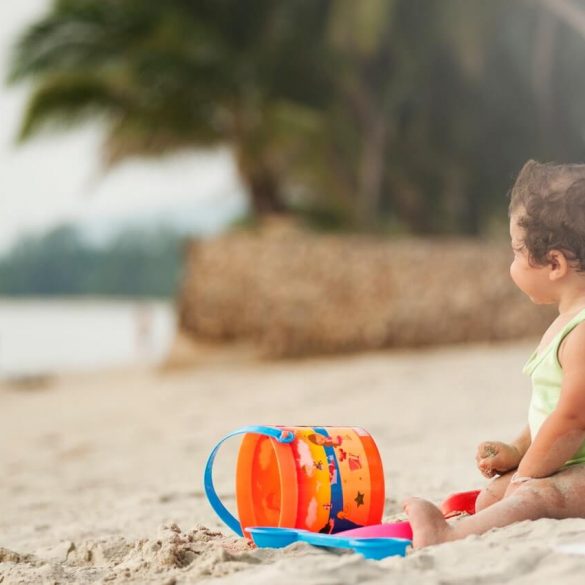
<point>102,474</point>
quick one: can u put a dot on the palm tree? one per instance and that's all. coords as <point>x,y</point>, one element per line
<point>413,113</point>
<point>388,141</point>
<point>175,74</point>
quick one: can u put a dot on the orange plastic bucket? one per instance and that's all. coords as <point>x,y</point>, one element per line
<point>322,479</point>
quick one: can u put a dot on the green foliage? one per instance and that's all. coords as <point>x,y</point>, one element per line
<point>409,113</point>
<point>172,75</point>
<point>137,263</point>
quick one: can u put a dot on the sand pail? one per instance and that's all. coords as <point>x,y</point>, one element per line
<point>322,479</point>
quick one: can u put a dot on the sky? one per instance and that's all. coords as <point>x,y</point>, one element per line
<point>56,178</point>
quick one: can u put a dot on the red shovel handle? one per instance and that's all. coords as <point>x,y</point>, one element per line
<point>454,505</point>
<point>460,503</point>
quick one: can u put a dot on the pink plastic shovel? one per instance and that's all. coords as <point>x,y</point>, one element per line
<point>454,505</point>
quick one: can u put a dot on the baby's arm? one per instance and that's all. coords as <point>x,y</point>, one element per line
<point>495,458</point>
<point>563,432</point>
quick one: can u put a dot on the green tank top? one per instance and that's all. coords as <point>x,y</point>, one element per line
<point>547,376</point>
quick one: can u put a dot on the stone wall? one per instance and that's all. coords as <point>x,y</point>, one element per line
<point>295,293</point>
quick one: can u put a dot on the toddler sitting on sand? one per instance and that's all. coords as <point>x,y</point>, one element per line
<point>542,473</point>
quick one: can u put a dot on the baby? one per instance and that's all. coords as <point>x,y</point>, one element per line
<point>542,473</point>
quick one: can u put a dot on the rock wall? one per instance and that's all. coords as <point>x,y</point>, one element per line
<point>295,293</point>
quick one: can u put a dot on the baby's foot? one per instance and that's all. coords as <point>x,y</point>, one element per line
<point>428,525</point>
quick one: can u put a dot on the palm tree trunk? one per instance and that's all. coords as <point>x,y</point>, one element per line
<point>373,124</point>
<point>261,180</point>
<point>371,171</point>
<point>264,191</point>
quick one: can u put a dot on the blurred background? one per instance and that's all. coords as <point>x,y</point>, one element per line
<point>307,177</point>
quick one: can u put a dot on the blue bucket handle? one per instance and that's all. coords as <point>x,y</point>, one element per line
<point>281,435</point>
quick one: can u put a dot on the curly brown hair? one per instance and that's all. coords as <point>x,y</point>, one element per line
<point>551,198</point>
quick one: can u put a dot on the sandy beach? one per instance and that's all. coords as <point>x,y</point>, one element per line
<point>102,474</point>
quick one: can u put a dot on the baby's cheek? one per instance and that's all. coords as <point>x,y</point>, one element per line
<point>514,272</point>
<point>517,274</point>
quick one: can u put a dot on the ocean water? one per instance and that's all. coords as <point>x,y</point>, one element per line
<point>44,337</point>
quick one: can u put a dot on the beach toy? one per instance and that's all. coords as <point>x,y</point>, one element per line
<point>370,548</point>
<point>320,479</point>
<point>460,503</point>
<point>387,530</point>
<point>454,505</point>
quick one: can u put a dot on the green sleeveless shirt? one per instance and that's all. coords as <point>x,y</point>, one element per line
<point>547,376</point>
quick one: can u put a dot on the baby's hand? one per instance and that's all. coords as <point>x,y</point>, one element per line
<point>495,458</point>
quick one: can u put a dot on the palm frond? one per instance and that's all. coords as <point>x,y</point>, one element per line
<point>80,35</point>
<point>139,135</point>
<point>65,100</point>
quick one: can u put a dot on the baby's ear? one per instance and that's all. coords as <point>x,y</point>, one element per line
<point>558,264</point>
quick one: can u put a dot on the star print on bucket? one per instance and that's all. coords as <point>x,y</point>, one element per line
<point>322,479</point>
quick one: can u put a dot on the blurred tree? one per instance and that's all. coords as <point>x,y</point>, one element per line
<point>137,263</point>
<point>349,137</point>
<point>48,264</point>
<point>175,74</point>
<point>397,139</point>
<point>408,114</point>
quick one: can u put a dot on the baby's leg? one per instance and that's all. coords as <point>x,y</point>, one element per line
<point>558,496</point>
<point>494,491</point>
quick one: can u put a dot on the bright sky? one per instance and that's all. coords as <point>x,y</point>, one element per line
<point>55,178</point>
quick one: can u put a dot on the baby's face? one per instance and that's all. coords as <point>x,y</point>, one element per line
<point>531,279</point>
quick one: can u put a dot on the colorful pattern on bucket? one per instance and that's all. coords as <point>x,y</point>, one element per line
<point>328,479</point>
<point>333,479</point>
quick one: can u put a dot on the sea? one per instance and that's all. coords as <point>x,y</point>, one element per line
<point>41,337</point>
